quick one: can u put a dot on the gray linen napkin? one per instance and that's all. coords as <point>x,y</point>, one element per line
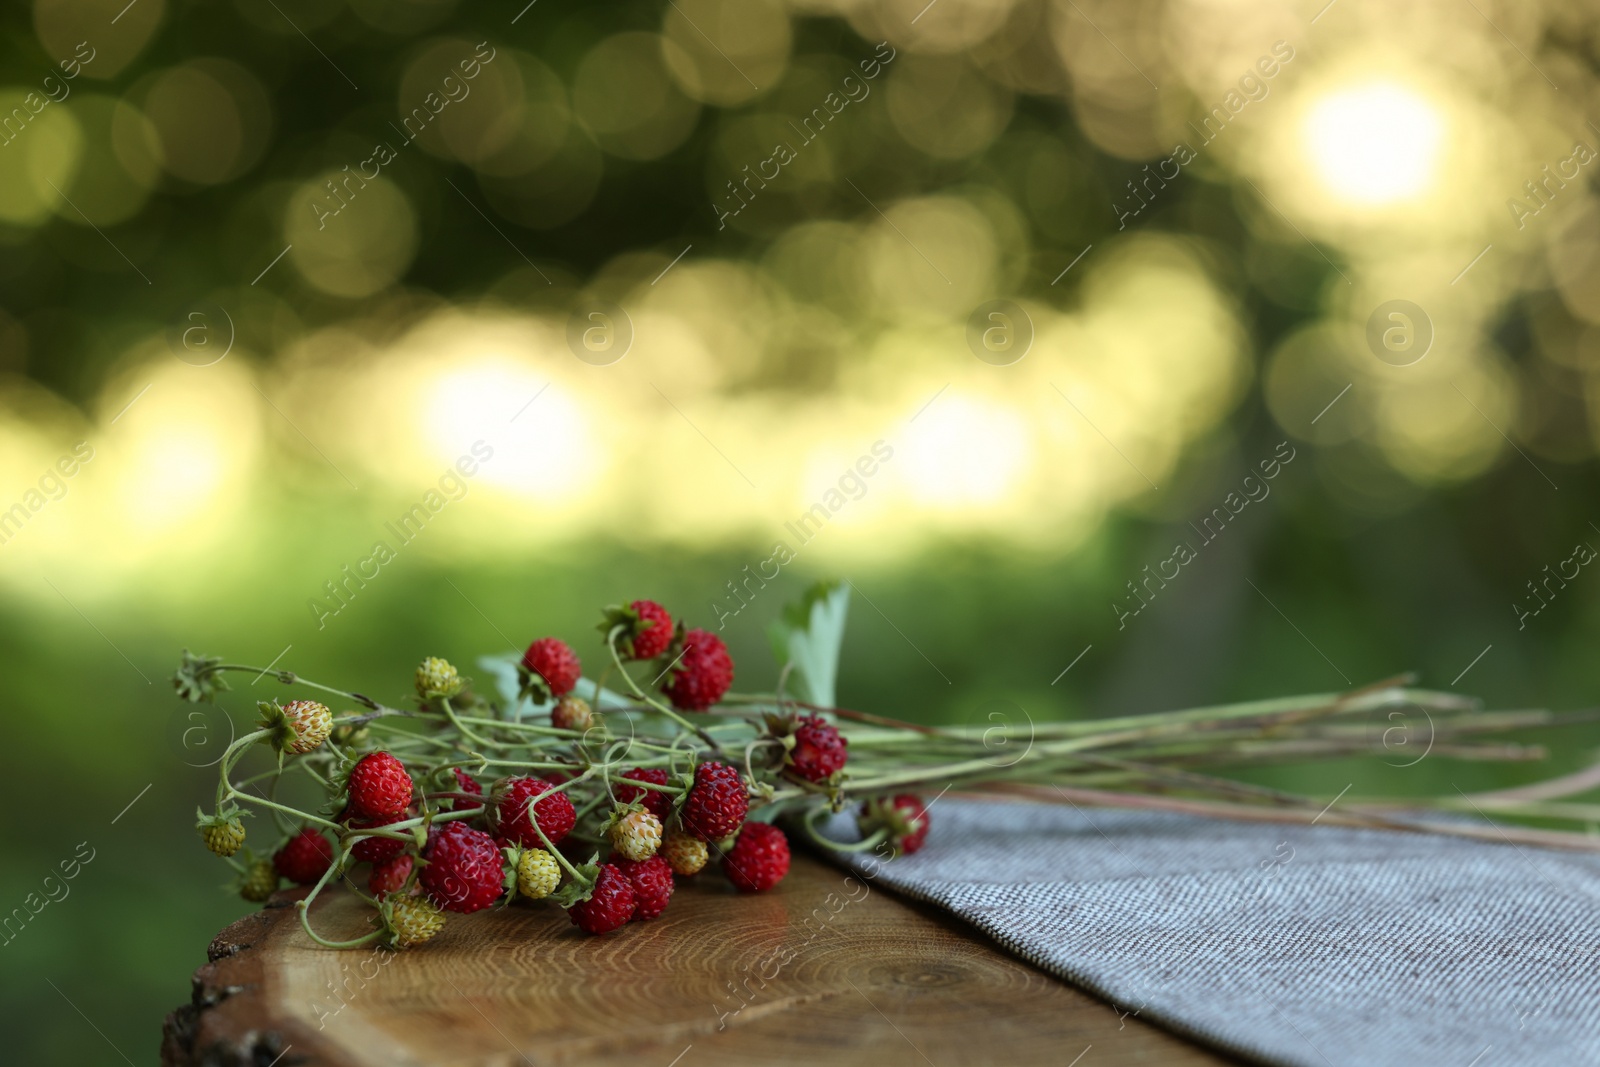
<point>1304,945</point>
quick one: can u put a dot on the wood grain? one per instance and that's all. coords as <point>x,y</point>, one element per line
<point>823,970</point>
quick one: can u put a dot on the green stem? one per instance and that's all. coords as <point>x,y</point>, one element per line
<point>872,840</point>
<point>304,907</point>
<point>291,678</point>
<point>231,757</point>
<point>656,705</point>
<point>264,802</point>
<point>590,805</point>
<point>559,858</point>
<point>305,922</point>
<point>450,714</point>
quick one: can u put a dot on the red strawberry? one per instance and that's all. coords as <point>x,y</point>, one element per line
<point>465,784</point>
<point>610,905</point>
<point>465,871</point>
<point>305,858</point>
<point>652,885</point>
<point>717,803</point>
<point>389,876</point>
<point>904,815</point>
<point>379,787</point>
<point>818,752</point>
<point>653,632</point>
<point>703,673</point>
<point>376,849</point>
<point>553,660</point>
<point>656,802</point>
<point>554,812</point>
<point>759,859</point>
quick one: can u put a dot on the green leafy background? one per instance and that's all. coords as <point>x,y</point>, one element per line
<point>950,620</point>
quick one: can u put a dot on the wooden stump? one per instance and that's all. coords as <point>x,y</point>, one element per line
<point>825,969</point>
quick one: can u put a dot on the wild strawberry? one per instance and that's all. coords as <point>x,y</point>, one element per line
<point>351,735</point>
<point>903,815</point>
<point>655,801</point>
<point>305,858</point>
<point>610,905</point>
<point>717,802</point>
<point>571,713</point>
<point>376,849</point>
<point>759,859</point>
<point>652,885</point>
<point>297,727</point>
<point>554,813</point>
<point>260,881</point>
<point>644,629</point>
<point>410,921</point>
<point>636,834</point>
<point>818,753</point>
<point>222,835</point>
<point>465,870</point>
<point>703,673</point>
<point>437,678</point>
<point>553,660</point>
<point>538,874</point>
<point>465,784</point>
<point>379,787</point>
<point>390,875</point>
<point>684,854</point>
<point>654,632</point>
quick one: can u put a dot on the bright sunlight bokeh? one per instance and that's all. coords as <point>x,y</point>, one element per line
<point>1374,143</point>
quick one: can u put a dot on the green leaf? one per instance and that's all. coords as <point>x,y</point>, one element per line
<point>809,635</point>
<point>577,890</point>
<point>197,678</point>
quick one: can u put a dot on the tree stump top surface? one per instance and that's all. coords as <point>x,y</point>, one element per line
<point>825,969</point>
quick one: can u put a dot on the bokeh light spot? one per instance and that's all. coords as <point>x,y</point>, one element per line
<point>42,148</point>
<point>963,451</point>
<point>1374,143</point>
<point>350,237</point>
<point>546,450</point>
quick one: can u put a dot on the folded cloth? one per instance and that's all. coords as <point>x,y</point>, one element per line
<point>1307,945</point>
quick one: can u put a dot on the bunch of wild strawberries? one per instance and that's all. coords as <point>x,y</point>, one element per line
<point>460,804</point>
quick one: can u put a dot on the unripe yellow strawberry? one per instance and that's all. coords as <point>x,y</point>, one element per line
<point>686,855</point>
<point>437,678</point>
<point>538,874</point>
<point>572,713</point>
<point>350,736</point>
<point>260,881</point>
<point>222,836</point>
<point>411,920</point>
<point>636,835</point>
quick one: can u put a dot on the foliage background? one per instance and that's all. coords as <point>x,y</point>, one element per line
<point>1182,330</point>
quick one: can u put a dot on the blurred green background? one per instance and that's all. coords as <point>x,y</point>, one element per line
<point>1199,258</point>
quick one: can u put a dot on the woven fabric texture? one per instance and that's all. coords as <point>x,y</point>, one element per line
<point>1304,945</point>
